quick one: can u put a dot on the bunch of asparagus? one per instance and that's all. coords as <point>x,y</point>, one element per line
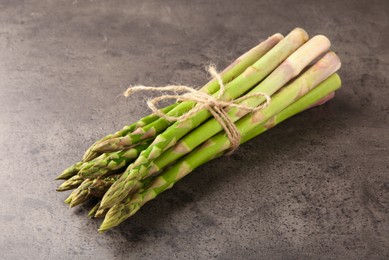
<point>127,169</point>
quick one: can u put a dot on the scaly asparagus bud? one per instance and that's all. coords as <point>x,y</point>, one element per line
<point>71,183</point>
<point>70,171</point>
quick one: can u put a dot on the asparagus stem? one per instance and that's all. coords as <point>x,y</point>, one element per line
<point>236,88</point>
<point>217,145</point>
<point>288,112</point>
<point>292,66</point>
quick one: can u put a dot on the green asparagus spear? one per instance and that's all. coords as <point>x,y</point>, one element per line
<point>253,124</point>
<point>292,66</point>
<point>211,127</point>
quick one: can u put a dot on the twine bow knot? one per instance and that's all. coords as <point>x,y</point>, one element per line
<point>215,105</point>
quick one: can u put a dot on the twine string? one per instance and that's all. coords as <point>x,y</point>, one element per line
<point>215,105</point>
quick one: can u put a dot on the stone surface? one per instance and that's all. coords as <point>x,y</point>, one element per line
<point>316,187</point>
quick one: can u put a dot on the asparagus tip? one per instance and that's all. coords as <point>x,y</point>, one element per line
<point>92,212</point>
<point>63,176</point>
<point>105,226</point>
<point>89,156</point>
<point>102,147</point>
<point>113,144</point>
<point>69,199</point>
<point>101,231</point>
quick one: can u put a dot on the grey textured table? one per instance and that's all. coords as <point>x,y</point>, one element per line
<point>316,187</point>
